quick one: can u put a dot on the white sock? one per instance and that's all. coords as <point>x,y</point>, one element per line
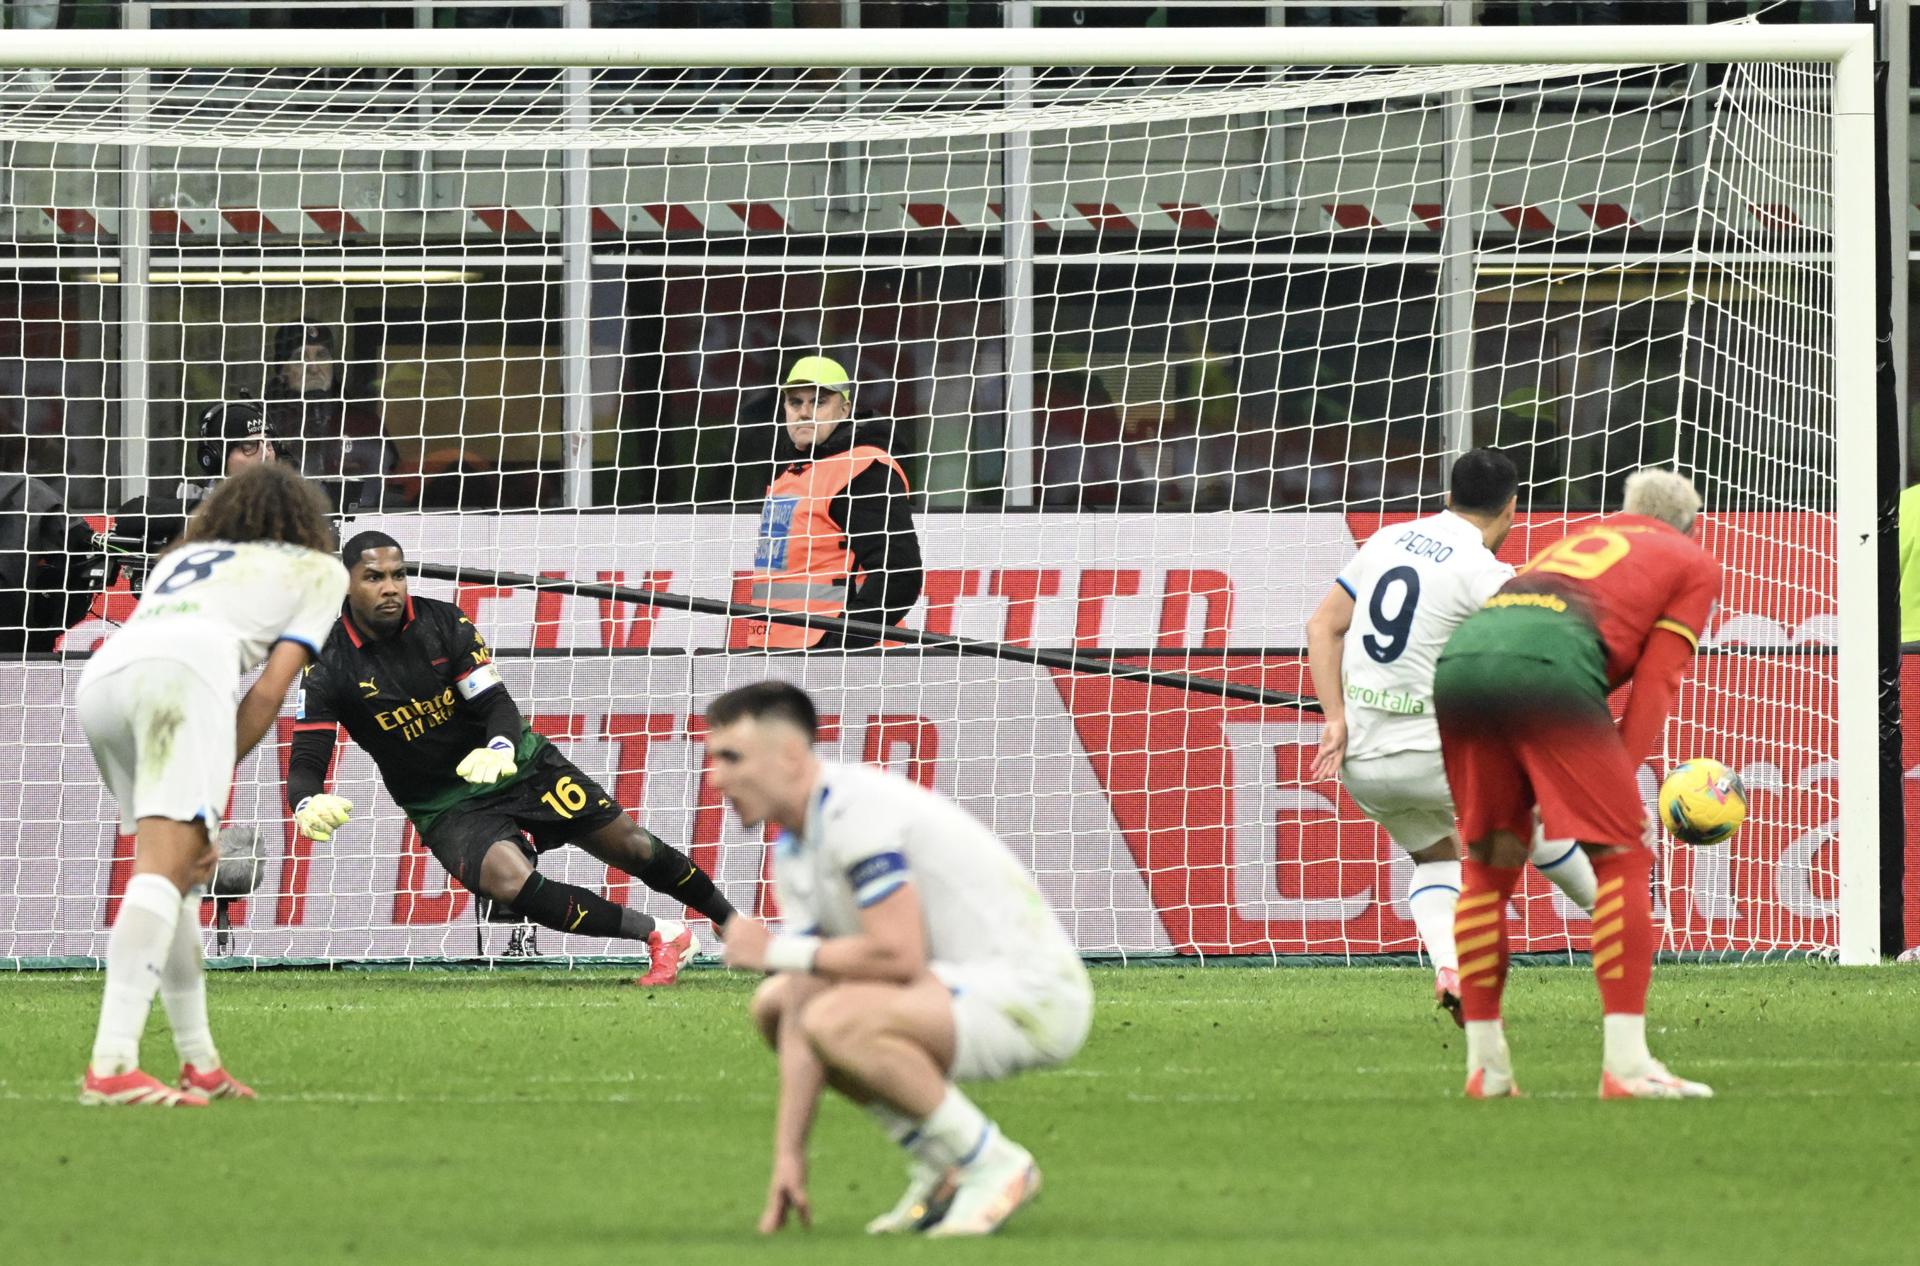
<point>669,929</point>
<point>1568,865</point>
<point>1431,896</point>
<point>183,989</point>
<point>136,948</point>
<point>1626,1049</point>
<point>897,1127</point>
<point>1487,1047</point>
<point>957,1133</point>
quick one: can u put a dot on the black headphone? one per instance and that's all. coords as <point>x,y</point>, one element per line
<point>222,425</point>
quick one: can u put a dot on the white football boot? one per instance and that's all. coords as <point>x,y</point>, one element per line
<point>990,1191</point>
<point>1652,1082</point>
<point>928,1193</point>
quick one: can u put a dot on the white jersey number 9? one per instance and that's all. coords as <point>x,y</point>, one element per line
<point>1396,627</point>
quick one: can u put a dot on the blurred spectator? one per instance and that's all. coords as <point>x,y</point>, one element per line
<point>335,440</point>
<point>226,440</point>
<point>1077,430</point>
<point>1169,460</point>
<point>48,565</point>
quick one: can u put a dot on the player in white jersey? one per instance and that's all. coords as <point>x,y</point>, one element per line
<point>921,954</point>
<point>253,581</point>
<point>1372,646</point>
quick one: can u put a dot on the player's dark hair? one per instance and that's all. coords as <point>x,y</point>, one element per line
<point>762,699</point>
<point>1483,481</point>
<point>364,541</point>
<point>267,502</point>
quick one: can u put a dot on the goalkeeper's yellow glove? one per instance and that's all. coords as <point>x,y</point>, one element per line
<point>489,764</point>
<point>318,817</point>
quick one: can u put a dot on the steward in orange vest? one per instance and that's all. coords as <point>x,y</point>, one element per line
<point>836,532</point>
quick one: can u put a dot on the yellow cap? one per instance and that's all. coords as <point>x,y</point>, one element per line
<point>819,371</point>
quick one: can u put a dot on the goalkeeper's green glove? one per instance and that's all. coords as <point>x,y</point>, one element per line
<point>489,764</point>
<point>318,817</point>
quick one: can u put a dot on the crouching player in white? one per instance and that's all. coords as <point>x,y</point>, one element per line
<point>253,580</point>
<point>1372,646</point>
<point>927,957</point>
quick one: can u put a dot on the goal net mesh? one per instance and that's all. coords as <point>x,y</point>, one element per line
<point>1155,349</point>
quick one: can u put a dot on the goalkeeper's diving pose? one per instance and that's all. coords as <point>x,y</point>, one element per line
<point>414,684</point>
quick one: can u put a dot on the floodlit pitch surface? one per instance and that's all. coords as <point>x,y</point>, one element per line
<point>1230,1115</point>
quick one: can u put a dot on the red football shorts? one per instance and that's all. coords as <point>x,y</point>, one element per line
<point>1517,732</point>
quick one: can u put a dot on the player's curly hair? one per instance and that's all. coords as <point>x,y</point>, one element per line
<point>267,502</point>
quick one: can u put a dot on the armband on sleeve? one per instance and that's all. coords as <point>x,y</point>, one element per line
<point>478,682</point>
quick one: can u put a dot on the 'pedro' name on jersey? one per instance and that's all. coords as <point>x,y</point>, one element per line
<point>1411,586</point>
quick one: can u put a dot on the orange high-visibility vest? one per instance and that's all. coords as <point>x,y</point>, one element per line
<point>802,562</point>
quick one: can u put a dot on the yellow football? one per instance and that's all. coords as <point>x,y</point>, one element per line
<point>1702,802</point>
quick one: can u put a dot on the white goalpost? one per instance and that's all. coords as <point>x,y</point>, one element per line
<point>1159,324</point>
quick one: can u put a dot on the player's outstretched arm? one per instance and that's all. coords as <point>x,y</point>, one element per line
<point>1326,646</point>
<point>1656,680</point>
<point>477,682</point>
<point>269,691</point>
<point>317,814</point>
<point>891,945</point>
<point>802,1078</point>
<point>802,1075</point>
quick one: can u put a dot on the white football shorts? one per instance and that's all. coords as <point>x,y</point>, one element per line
<point>163,739</point>
<point>1007,1018</point>
<point>1406,793</point>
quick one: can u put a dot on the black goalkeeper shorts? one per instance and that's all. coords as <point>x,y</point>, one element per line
<point>554,806</point>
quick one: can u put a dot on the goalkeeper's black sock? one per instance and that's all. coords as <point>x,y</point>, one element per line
<point>673,872</point>
<point>565,908</point>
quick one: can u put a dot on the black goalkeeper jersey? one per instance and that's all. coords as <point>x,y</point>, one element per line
<point>417,702</point>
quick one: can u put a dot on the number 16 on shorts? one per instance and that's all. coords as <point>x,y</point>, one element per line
<point>566,797</point>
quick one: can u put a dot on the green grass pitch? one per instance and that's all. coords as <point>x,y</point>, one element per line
<point>1216,1115</point>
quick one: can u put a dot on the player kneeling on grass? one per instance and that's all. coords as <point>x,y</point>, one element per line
<point>1371,647</point>
<point>253,580</point>
<point>414,684</point>
<point>1521,691</point>
<point>928,957</point>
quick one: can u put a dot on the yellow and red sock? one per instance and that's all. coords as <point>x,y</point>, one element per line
<point>1480,936</point>
<point>1623,930</point>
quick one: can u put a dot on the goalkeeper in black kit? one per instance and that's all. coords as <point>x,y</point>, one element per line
<point>414,684</point>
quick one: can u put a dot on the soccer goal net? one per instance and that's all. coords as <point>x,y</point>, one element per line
<point>1156,326</point>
